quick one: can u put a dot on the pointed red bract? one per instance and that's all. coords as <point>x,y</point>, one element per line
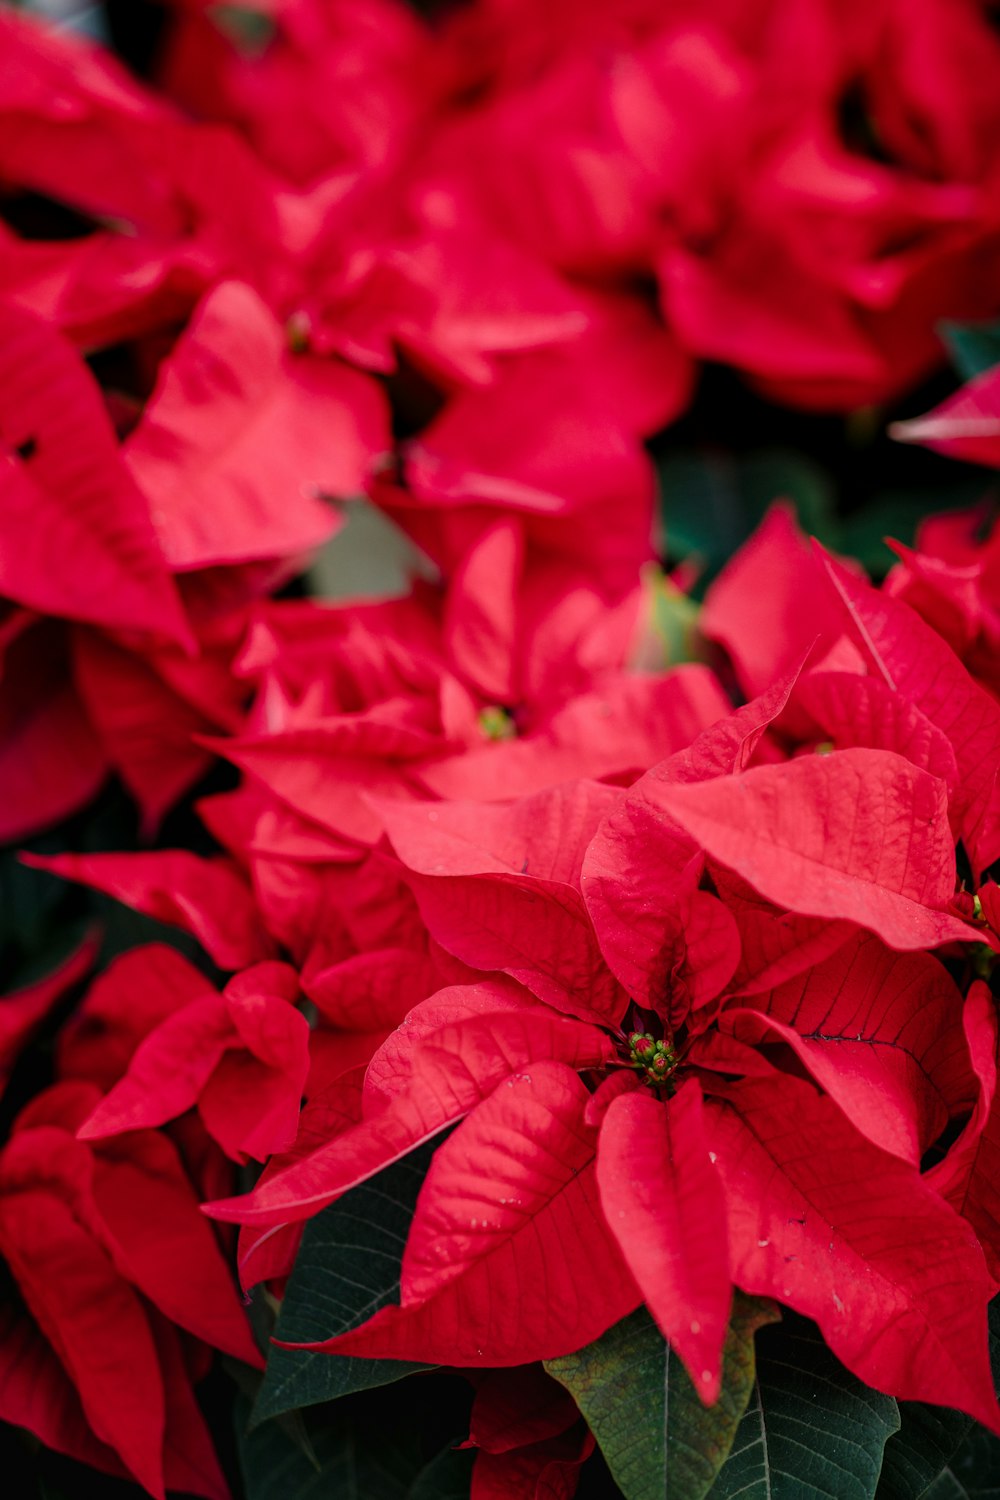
<point>637,858</point>
<point>75,536</point>
<point>241,437</point>
<point>489,1279</point>
<point>916,663</point>
<point>881,1032</point>
<point>857,834</point>
<point>824,1221</point>
<point>455,1069</point>
<point>965,426</point>
<point>664,1204</point>
<point>23,1010</point>
<point>206,897</point>
<point>492,1180</point>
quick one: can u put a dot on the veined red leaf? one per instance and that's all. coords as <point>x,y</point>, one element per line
<point>390,1071</point>
<point>542,836</point>
<point>854,1238</point>
<point>513,1279</point>
<point>857,834</point>
<point>881,1033</point>
<point>965,426</point>
<point>855,711</point>
<point>75,533</point>
<point>915,662</point>
<point>506,1164</point>
<point>635,861</point>
<point>241,437</point>
<point>208,898</point>
<point>775,945</point>
<point>968,1176</point>
<point>664,1204</point>
<point>456,1068</point>
<point>95,1322</point>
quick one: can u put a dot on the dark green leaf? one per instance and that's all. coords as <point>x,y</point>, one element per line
<point>711,501</point>
<point>346,1269</point>
<point>897,514</point>
<point>657,1437</point>
<point>811,1430</point>
<point>446,1477</point>
<point>357,1456</point>
<point>934,1447</point>
<point>973,347</point>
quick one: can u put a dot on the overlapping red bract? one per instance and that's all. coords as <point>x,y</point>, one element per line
<point>506,872</point>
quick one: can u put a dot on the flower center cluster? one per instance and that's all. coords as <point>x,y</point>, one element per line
<point>653,1060</point>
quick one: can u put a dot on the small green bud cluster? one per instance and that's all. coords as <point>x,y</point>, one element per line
<point>654,1060</point>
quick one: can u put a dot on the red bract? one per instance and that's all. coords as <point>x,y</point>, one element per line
<point>99,1269</point>
<point>241,1057</point>
<point>967,425</point>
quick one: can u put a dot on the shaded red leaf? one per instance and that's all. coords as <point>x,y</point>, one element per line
<point>208,898</point>
<point>852,1237</point>
<point>457,1067</point>
<point>664,1204</point>
<point>857,834</point>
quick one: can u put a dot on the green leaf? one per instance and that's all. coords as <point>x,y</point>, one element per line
<point>346,1269</point>
<point>973,1473</point>
<point>711,501</point>
<point>657,1437</point>
<point>897,514</point>
<point>369,555</point>
<point>937,1449</point>
<point>357,1456</point>
<point>972,347</point>
<point>811,1430</point>
<point>446,1477</point>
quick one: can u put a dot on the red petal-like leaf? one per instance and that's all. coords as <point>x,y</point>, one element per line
<point>208,898</point>
<point>881,1032</point>
<point>241,436</point>
<point>75,532</point>
<point>857,834</point>
<point>636,859</point>
<point>920,666</point>
<point>852,1237</point>
<point>663,1201</point>
<point>517,1279</point>
<point>455,1069</point>
<point>966,426</point>
<point>95,1322</point>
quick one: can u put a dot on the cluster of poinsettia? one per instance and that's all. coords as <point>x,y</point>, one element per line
<point>683,959</point>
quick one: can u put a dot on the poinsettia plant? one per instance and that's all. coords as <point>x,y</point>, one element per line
<point>501,915</point>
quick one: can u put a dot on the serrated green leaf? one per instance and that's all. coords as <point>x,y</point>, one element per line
<point>346,1269</point>
<point>446,1477</point>
<point>358,1456</point>
<point>811,1430</point>
<point>711,501</point>
<point>972,347</point>
<point>936,1449</point>
<point>973,1473</point>
<point>897,514</point>
<point>657,1437</point>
